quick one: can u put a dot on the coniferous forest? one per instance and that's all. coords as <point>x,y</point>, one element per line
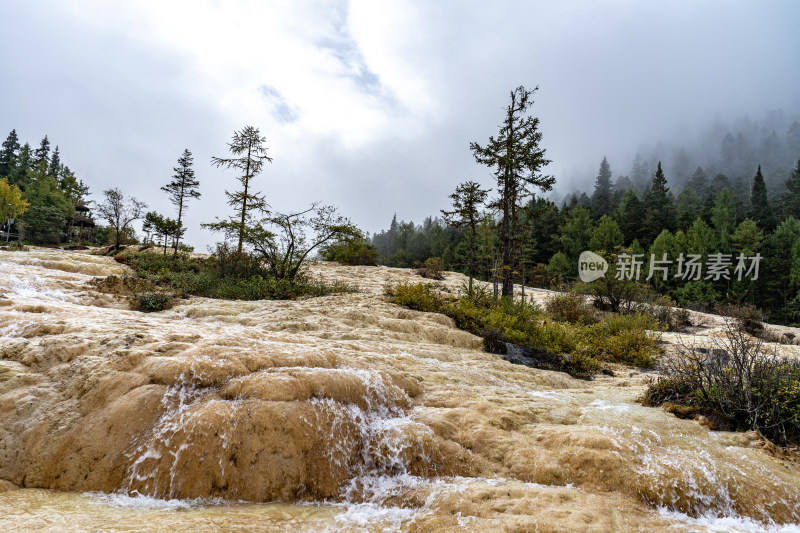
<point>736,192</point>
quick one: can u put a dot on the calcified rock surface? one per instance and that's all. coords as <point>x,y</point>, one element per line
<point>395,418</point>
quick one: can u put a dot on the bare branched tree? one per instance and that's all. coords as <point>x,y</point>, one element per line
<point>120,212</point>
<point>296,236</point>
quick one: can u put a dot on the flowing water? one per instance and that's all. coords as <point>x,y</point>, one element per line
<point>342,413</point>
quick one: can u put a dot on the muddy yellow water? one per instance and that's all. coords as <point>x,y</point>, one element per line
<point>342,413</point>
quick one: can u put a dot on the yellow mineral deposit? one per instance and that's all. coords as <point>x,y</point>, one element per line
<point>341,413</point>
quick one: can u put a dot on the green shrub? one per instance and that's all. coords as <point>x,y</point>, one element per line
<point>629,339</point>
<point>571,307</point>
<point>353,253</point>
<point>150,302</point>
<point>417,296</point>
<point>226,275</point>
<point>432,268</point>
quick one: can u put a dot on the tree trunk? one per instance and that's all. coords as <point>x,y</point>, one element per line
<point>244,199</point>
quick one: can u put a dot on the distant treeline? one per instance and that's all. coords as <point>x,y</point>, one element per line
<point>709,214</point>
<point>731,150</point>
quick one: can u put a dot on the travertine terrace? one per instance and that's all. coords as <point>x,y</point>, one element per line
<point>349,403</point>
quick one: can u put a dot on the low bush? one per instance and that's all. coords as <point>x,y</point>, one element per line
<point>628,339</point>
<point>432,268</point>
<point>747,317</point>
<point>571,307</point>
<point>738,381</point>
<point>150,302</point>
<point>580,347</point>
<point>226,275</point>
<point>352,252</point>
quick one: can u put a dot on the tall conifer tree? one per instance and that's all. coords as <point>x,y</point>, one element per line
<point>760,210</point>
<point>601,198</point>
<point>9,153</point>
<point>517,160</point>
<point>183,187</point>
<point>42,154</point>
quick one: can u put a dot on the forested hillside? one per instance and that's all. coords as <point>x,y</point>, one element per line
<point>735,192</point>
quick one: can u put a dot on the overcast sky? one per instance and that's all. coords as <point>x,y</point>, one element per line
<point>371,105</point>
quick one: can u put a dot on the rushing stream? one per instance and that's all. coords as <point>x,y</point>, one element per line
<point>343,413</point>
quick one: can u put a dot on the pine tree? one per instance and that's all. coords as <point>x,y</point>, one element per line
<point>250,154</point>
<point>698,182</point>
<point>760,210</point>
<point>518,160</point>
<point>659,207</point>
<point>182,188</point>
<point>575,233</point>
<point>55,165</point>
<point>606,236</point>
<point>629,215</point>
<point>73,188</point>
<point>601,198</point>
<point>688,208</point>
<point>792,198</point>
<point>663,244</point>
<point>747,238</point>
<point>723,218</point>
<point>466,216</point>
<point>8,154</point>
<point>19,174</point>
<point>639,174</point>
<point>42,153</point>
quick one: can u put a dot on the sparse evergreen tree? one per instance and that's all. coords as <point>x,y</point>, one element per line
<point>42,154</point>
<point>518,161</point>
<point>19,174</point>
<point>559,268</point>
<point>73,188</point>
<point>602,196</point>
<point>760,210</point>
<point>629,215</point>
<point>606,235</point>
<point>55,165</point>
<point>466,216</point>
<point>698,182</point>
<point>659,207</point>
<point>792,198</point>
<point>8,154</point>
<point>723,218</point>
<point>576,233</point>
<point>663,245</point>
<point>700,239</point>
<point>688,207</point>
<point>250,154</point>
<point>165,228</point>
<point>640,174</point>
<point>182,188</point>
<point>747,238</point>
